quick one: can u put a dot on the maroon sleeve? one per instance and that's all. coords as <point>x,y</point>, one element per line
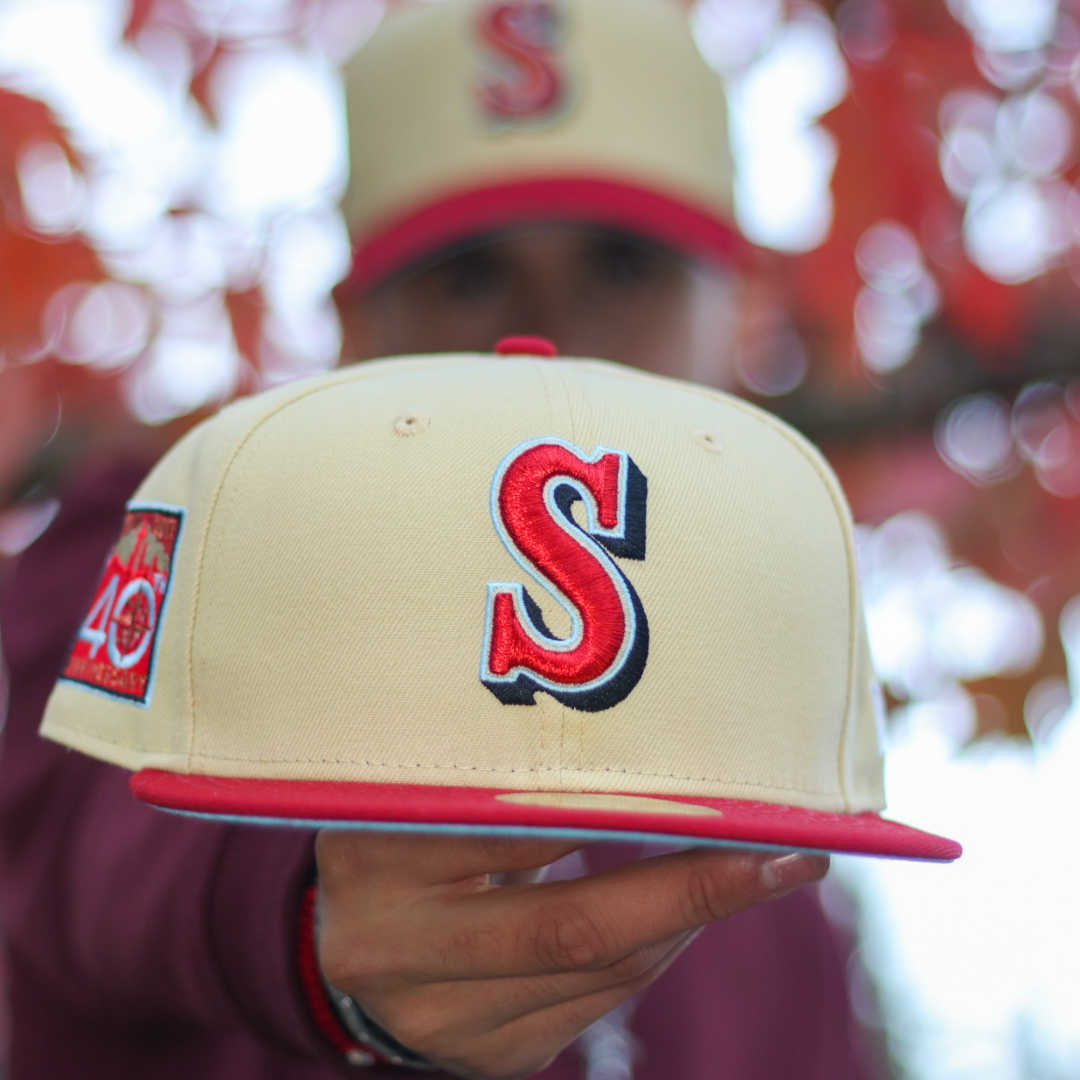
<point>118,916</point>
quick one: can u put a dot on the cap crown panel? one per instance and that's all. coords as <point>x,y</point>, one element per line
<point>328,611</point>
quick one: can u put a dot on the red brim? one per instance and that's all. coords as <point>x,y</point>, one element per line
<point>420,807</point>
<point>604,203</point>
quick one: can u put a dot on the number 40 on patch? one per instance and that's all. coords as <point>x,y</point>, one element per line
<point>116,644</point>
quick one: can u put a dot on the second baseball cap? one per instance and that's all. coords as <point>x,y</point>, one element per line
<point>469,116</point>
<point>468,593</point>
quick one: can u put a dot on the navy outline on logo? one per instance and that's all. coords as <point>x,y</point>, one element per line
<point>626,541</point>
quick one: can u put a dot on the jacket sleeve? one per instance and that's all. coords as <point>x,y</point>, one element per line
<point>119,910</point>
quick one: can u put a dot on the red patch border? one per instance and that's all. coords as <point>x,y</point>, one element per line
<point>142,700</point>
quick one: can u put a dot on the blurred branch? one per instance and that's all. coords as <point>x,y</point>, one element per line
<point>946,367</point>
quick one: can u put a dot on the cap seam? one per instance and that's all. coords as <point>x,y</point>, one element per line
<point>434,767</point>
<point>568,404</point>
<point>546,709</point>
<point>441,767</point>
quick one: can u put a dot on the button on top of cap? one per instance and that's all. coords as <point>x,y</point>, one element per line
<point>524,345</point>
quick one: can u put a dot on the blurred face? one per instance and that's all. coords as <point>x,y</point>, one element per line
<point>590,293</point>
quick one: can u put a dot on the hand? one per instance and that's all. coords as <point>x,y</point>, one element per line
<point>491,981</point>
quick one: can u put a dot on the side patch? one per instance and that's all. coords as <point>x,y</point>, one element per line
<point>116,646</point>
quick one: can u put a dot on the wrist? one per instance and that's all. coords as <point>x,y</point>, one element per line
<point>366,1033</point>
<point>338,1017</point>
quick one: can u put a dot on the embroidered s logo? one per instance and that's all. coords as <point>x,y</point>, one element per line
<point>525,82</point>
<point>114,650</point>
<point>532,499</point>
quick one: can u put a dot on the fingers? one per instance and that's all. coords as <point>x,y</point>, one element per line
<point>492,981</point>
<point>509,1048</point>
<point>479,1007</point>
<point>585,924</point>
<point>524,1046</point>
<point>402,859</point>
<point>507,1000</point>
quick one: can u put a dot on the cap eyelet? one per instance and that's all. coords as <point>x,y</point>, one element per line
<point>707,440</point>
<point>412,423</point>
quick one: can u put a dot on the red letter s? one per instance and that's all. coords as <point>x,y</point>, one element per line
<point>523,35</point>
<point>602,660</point>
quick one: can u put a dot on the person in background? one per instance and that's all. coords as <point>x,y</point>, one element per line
<point>520,167</point>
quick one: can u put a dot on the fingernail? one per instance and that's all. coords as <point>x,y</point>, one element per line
<point>782,873</point>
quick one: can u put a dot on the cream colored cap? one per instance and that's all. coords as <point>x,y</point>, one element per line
<point>543,589</point>
<point>471,115</point>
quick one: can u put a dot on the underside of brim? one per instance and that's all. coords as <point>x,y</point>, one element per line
<point>422,231</point>
<point>414,806</point>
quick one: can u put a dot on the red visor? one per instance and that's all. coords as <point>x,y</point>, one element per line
<point>612,204</point>
<point>415,806</point>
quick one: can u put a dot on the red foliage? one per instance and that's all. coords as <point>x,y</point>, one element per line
<point>888,168</point>
<point>32,267</point>
<point>202,79</point>
<point>247,310</point>
<point>889,139</point>
<point>32,270</point>
<point>138,18</point>
<point>24,121</point>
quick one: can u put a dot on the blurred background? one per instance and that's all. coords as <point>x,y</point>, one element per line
<point>169,171</point>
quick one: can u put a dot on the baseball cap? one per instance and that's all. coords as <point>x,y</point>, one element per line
<point>469,116</point>
<point>502,595</point>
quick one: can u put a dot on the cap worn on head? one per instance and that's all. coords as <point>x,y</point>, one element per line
<point>477,115</point>
<point>475,594</point>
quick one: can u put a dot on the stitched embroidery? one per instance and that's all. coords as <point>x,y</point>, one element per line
<point>532,498</point>
<point>115,648</point>
<point>523,81</point>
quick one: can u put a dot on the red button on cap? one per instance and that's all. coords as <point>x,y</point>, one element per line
<point>523,345</point>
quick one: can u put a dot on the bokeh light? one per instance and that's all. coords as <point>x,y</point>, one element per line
<point>975,964</point>
<point>1003,157</point>
<point>933,622</point>
<point>104,325</point>
<point>974,437</point>
<point>1006,26</point>
<point>781,76</point>
<point>184,210</point>
<point>53,194</point>
<point>898,297</point>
